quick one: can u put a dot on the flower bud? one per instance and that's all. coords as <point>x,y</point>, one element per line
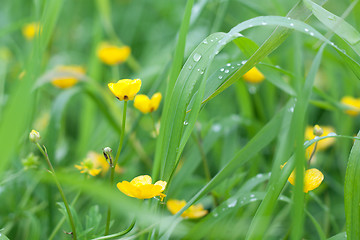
<point>34,136</point>
<point>107,150</point>
<point>318,131</point>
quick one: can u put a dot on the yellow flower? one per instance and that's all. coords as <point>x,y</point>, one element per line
<point>68,78</point>
<point>111,54</point>
<point>194,211</point>
<point>100,162</point>
<point>141,187</point>
<point>353,104</point>
<point>87,166</point>
<point>146,105</point>
<point>312,178</point>
<point>125,89</point>
<point>254,76</point>
<point>30,30</point>
<point>322,144</point>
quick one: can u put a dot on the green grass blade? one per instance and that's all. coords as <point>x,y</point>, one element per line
<point>174,72</point>
<point>343,29</point>
<point>351,192</point>
<point>340,236</point>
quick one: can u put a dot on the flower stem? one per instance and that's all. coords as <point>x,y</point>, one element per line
<point>112,171</point>
<point>154,125</point>
<point>52,171</point>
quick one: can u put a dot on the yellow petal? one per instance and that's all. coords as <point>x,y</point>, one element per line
<point>125,89</point>
<point>64,82</point>
<point>175,206</point>
<point>313,179</point>
<point>142,103</point>
<point>141,180</point>
<point>94,172</point>
<point>155,102</point>
<point>353,104</point>
<point>162,184</point>
<point>127,188</point>
<point>111,54</point>
<point>254,76</point>
<point>30,30</point>
<point>149,191</point>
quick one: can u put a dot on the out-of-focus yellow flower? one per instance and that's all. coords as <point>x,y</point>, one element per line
<point>30,30</point>
<point>353,104</point>
<point>125,89</point>
<point>194,211</point>
<point>254,76</point>
<point>322,144</point>
<point>100,162</point>
<point>312,178</point>
<point>141,187</point>
<point>68,79</point>
<point>146,105</point>
<point>87,166</point>
<point>112,54</point>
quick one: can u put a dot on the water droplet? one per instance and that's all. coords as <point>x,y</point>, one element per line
<point>331,18</point>
<point>196,57</point>
<point>288,18</point>
<point>243,62</point>
<point>227,71</point>
<point>306,30</point>
<point>253,200</point>
<point>205,42</point>
<point>216,128</point>
<point>232,203</point>
<point>220,77</point>
<point>217,52</point>
<point>216,38</point>
<point>291,24</point>
<point>215,214</point>
<point>252,195</point>
<point>332,134</point>
<point>229,64</point>
<point>190,67</point>
<point>238,64</point>
<point>223,209</point>
<point>241,202</point>
<point>251,25</point>
<point>259,175</point>
<point>311,34</point>
<point>252,89</point>
<point>232,67</point>
<point>332,44</point>
<point>277,66</point>
<point>198,69</point>
<point>186,123</point>
<point>263,23</point>
<point>211,40</point>
<point>222,69</point>
<point>202,72</point>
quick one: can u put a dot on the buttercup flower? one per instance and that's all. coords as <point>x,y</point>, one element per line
<point>30,30</point>
<point>312,178</point>
<point>87,166</point>
<point>253,76</point>
<point>146,105</point>
<point>194,211</point>
<point>69,79</point>
<point>111,54</point>
<point>141,187</point>
<point>125,89</point>
<point>353,104</point>
<point>322,144</point>
<point>99,162</point>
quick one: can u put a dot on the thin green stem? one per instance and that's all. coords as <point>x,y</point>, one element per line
<point>119,234</point>
<point>52,171</point>
<point>112,172</point>
<point>154,125</point>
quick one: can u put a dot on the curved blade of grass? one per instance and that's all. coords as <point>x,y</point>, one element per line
<point>351,192</point>
<point>340,236</point>
<point>174,72</point>
<point>265,50</point>
<point>343,29</point>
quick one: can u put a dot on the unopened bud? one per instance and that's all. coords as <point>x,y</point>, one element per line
<point>318,131</point>
<point>107,150</point>
<point>34,136</point>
